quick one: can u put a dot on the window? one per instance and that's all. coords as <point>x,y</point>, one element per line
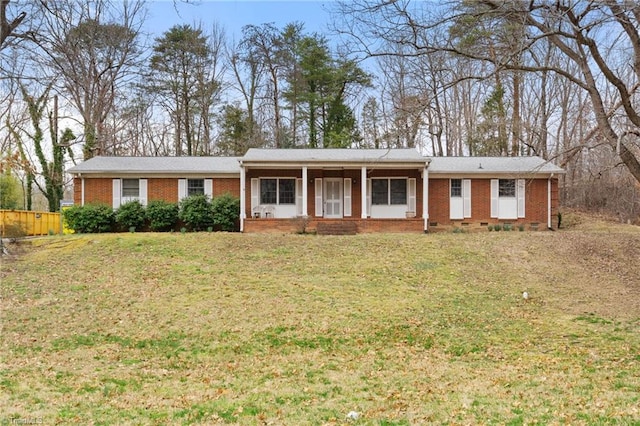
<point>388,191</point>
<point>379,191</point>
<point>277,191</point>
<point>507,188</point>
<point>456,187</point>
<point>398,191</point>
<point>195,187</point>
<point>268,191</point>
<point>130,187</point>
<point>286,191</point>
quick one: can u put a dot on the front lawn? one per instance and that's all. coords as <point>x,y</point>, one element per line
<point>218,328</point>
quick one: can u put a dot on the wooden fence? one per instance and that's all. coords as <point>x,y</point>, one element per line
<point>19,223</point>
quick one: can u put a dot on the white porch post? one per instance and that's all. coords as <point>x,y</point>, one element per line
<point>363,192</point>
<point>425,197</point>
<point>305,182</point>
<point>243,196</point>
<point>82,191</point>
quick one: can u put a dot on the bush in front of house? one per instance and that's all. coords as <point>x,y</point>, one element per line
<point>90,218</point>
<point>196,212</point>
<point>226,209</point>
<point>162,215</point>
<point>130,216</point>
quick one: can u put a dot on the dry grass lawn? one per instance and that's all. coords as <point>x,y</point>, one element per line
<point>218,328</point>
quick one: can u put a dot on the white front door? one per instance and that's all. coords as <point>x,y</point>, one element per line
<point>333,198</point>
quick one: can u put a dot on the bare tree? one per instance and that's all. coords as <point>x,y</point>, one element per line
<point>92,49</point>
<point>597,38</point>
<point>9,24</point>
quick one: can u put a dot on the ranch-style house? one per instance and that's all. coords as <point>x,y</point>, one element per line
<point>345,190</point>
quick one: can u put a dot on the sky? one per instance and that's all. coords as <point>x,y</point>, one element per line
<point>234,14</point>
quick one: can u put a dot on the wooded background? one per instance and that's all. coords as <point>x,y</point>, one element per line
<point>558,79</point>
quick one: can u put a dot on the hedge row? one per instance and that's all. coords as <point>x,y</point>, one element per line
<point>195,213</point>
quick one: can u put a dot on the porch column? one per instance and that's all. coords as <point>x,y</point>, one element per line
<point>82,191</point>
<point>363,192</point>
<point>305,182</point>
<point>425,197</point>
<point>243,196</point>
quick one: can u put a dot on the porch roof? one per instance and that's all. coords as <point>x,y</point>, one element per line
<point>155,165</point>
<point>493,165</point>
<point>338,157</point>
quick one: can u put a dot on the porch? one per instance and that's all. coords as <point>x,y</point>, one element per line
<point>343,226</point>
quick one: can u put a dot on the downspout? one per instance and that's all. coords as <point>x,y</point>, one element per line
<point>549,225</point>
<point>425,196</point>
<point>243,196</point>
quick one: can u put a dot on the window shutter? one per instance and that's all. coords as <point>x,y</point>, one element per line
<point>319,208</point>
<point>208,188</point>
<point>466,197</point>
<point>411,195</point>
<point>520,190</point>
<point>116,193</point>
<point>142,195</point>
<point>368,197</point>
<point>182,189</point>
<point>299,197</point>
<point>255,193</point>
<point>347,197</point>
<point>494,197</point>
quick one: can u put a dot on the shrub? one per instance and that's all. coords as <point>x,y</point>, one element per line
<point>162,216</point>
<point>226,209</point>
<point>497,227</point>
<point>90,218</point>
<point>196,212</point>
<point>130,215</point>
<point>506,227</point>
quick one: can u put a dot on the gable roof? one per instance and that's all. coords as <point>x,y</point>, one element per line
<point>489,165</point>
<point>323,155</point>
<point>174,165</point>
<point>317,157</point>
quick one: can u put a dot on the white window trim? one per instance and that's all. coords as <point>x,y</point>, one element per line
<point>117,196</point>
<point>277,203</point>
<point>519,199</point>
<point>388,179</point>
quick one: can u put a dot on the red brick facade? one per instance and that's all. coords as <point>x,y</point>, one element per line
<point>537,195</point>
<point>536,204</point>
<point>100,190</point>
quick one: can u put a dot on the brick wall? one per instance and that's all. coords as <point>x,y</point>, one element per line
<point>222,186</point>
<point>162,189</point>
<point>99,190</point>
<point>363,225</point>
<point>536,199</point>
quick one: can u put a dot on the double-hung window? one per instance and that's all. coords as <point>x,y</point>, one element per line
<point>125,190</point>
<point>456,188</point>
<point>507,188</point>
<point>130,188</point>
<point>388,191</point>
<point>508,198</point>
<point>278,191</point>
<point>195,187</point>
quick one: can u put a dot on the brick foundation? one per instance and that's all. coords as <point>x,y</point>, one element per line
<point>299,225</point>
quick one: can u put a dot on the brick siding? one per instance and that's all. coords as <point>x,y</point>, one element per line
<point>536,209</point>
<point>99,190</point>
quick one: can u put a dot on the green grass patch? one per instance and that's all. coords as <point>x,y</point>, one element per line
<point>213,328</point>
